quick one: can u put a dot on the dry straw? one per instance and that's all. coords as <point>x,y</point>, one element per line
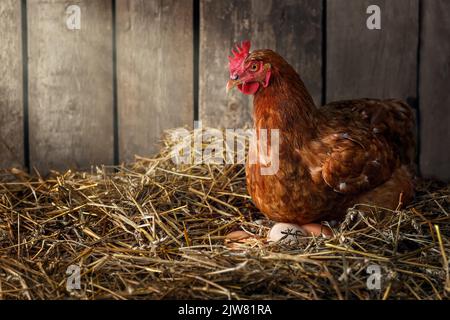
<point>151,230</point>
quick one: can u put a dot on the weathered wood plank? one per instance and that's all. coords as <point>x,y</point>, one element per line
<point>70,85</point>
<point>371,63</point>
<point>434,89</point>
<point>11,105</point>
<point>292,28</point>
<point>155,71</point>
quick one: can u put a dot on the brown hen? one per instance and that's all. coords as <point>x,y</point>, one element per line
<point>330,158</point>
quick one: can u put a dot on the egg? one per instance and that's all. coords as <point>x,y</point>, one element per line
<point>290,232</point>
<point>317,230</point>
<point>237,235</point>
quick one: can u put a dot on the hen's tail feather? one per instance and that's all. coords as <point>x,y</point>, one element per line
<point>402,129</point>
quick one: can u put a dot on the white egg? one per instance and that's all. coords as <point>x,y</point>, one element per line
<point>289,232</point>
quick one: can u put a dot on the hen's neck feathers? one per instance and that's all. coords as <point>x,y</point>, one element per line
<point>285,104</point>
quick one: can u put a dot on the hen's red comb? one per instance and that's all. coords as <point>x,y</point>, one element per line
<point>239,55</point>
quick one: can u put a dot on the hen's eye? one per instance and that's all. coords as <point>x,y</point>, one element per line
<point>254,67</point>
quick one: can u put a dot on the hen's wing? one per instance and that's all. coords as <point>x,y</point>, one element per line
<point>356,161</point>
<point>365,141</point>
<point>392,118</point>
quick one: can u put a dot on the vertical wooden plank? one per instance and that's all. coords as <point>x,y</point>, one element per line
<point>70,85</point>
<point>154,70</point>
<point>371,63</point>
<point>11,107</point>
<point>293,28</point>
<point>434,89</point>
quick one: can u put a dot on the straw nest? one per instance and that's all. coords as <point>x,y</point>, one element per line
<point>151,230</point>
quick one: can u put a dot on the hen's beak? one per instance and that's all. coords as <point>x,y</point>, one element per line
<point>231,84</point>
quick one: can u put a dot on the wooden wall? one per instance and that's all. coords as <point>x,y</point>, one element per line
<point>434,90</point>
<point>106,92</point>
<point>70,85</point>
<point>372,63</point>
<point>11,104</point>
<point>154,72</point>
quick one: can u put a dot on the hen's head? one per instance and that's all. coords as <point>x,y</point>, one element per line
<point>248,71</point>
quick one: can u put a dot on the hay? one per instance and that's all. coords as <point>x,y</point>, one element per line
<point>149,230</point>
